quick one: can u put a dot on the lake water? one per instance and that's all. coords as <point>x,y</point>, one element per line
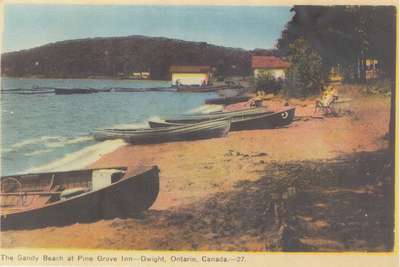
<point>47,131</point>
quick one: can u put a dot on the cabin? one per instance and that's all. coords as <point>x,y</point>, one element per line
<point>372,69</point>
<point>261,65</point>
<point>140,75</point>
<point>190,75</point>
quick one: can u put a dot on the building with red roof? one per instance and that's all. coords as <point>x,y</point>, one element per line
<point>275,66</point>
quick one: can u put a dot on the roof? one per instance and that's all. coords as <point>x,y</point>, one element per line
<point>268,62</point>
<point>190,69</point>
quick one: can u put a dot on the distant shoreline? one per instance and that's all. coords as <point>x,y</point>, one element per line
<point>82,78</point>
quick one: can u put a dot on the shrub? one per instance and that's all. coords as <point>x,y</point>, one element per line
<point>305,75</point>
<point>268,83</point>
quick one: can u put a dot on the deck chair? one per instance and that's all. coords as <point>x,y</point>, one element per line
<point>326,104</point>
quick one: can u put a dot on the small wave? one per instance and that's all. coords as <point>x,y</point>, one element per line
<point>81,158</point>
<point>204,109</point>
<point>63,141</point>
<point>155,118</point>
<point>50,141</point>
<point>38,152</point>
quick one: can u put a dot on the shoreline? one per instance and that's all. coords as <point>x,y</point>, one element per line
<point>85,78</point>
<point>242,192</point>
<point>193,170</point>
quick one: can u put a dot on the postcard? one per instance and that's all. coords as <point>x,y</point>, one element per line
<point>199,134</point>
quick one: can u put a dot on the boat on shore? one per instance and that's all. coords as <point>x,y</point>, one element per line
<point>263,121</point>
<point>250,121</point>
<point>196,118</point>
<point>70,91</point>
<point>61,198</point>
<point>204,130</point>
<point>227,100</point>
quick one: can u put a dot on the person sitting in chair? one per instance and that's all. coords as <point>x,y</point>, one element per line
<point>327,100</point>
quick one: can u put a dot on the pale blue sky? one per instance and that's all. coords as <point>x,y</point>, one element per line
<point>28,26</point>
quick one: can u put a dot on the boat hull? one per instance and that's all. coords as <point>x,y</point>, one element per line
<point>123,198</point>
<point>196,118</point>
<point>267,120</point>
<point>198,131</point>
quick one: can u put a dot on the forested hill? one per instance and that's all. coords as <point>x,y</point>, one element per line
<point>119,56</point>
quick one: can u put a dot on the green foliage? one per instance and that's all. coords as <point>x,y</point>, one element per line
<point>346,35</point>
<point>120,56</point>
<point>268,83</point>
<point>305,76</point>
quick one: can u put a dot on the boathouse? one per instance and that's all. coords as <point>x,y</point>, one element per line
<point>275,66</point>
<point>190,75</point>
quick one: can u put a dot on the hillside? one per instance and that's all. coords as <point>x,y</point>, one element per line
<point>120,56</point>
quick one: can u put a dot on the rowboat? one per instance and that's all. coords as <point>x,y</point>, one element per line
<point>70,91</point>
<point>264,120</point>
<point>196,118</point>
<point>61,198</point>
<point>196,131</point>
<point>227,100</point>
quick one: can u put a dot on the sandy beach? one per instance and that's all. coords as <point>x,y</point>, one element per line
<point>216,194</point>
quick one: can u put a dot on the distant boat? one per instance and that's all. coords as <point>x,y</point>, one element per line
<point>227,100</point>
<point>70,91</point>
<point>200,89</point>
<point>141,90</point>
<point>61,198</point>
<point>265,120</point>
<point>196,131</point>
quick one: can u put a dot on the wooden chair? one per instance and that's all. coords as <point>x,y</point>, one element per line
<point>326,105</point>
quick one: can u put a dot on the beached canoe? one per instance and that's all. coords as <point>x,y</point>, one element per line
<point>70,91</point>
<point>263,121</point>
<point>196,131</point>
<point>266,120</point>
<point>62,198</point>
<point>227,100</point>
<point>196,118</point>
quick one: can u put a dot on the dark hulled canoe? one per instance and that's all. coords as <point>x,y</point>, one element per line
<point>196,118</point>
<point>70,91</point>
<point>227,100</point>
<point>62,198</point>
<point>196,131</point>
<point>248,121</point>
<point>264,121</point>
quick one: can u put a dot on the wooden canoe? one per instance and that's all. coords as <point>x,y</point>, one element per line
<point>204,130</point>
<point>61,198</point>
<point>247,121</point>
<point>196,118</point>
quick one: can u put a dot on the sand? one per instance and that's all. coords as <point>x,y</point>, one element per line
<point>197,173</point>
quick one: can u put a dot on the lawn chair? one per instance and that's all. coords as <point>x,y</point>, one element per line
<point>326,104</point>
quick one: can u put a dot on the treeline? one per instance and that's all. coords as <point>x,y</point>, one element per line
<point>120,56</point>
<point>346,37</point>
